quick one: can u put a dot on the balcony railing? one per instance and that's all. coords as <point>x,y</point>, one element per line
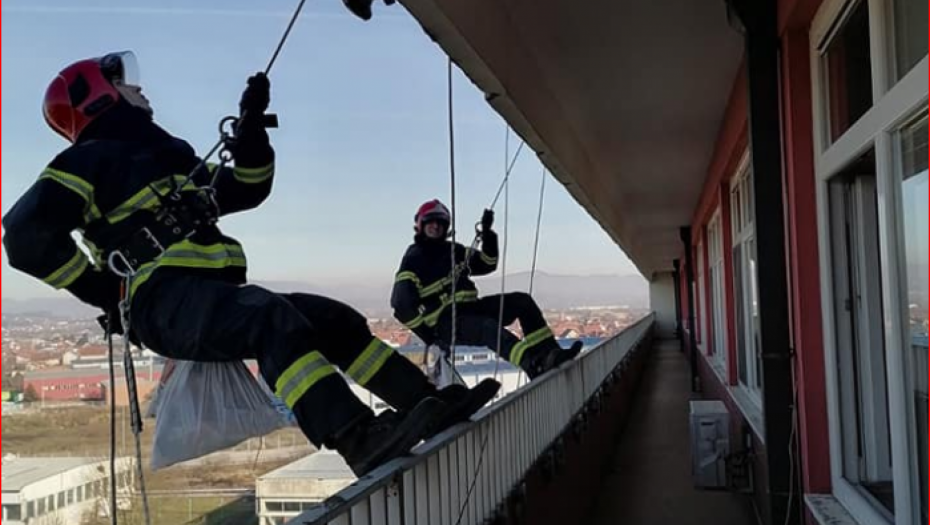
<point>464,475</point>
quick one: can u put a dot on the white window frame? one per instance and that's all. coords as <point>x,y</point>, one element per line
<point>894,105</point>
<point>743,227</point>
<point>718,276</point>
<point>701,309</point>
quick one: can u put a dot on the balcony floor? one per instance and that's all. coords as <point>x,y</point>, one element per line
<point>650,476</point>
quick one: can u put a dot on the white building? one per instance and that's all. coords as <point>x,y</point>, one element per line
<point>45,491</point>
<point>284,494</point>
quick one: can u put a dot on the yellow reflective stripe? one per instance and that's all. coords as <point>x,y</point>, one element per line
<point>415,322</point>
<point>490,261</point>
<point>370,362</point>
<point>253,175</point>
<point>435,287</point>
<point>148,198</point>
<point>467,296</point>
<point>301,376</point>
<point>67,274</point>
<point>72,182</point>
<point>519,350</point>
<point>407,276</point>
<point>186,254</point>
<point>84,189</point>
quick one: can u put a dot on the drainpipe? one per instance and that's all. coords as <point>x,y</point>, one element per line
<point>759,25</point>
<point>676,275</point>
<point>692,329</point>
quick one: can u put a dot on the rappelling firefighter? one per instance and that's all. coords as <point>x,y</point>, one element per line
<point>428,283</point>
<point>143,201</point>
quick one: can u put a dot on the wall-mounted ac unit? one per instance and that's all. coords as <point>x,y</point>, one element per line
<point>710,444</point>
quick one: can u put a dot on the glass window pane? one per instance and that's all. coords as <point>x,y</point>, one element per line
<point>12,512</point>
<point>916,196</point>
<point>910,20</point>
<point>849,72</point>
<point>740,315</point>
<point>754,312</point>
<point>860,338</point>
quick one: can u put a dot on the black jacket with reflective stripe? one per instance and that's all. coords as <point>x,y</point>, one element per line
<point>423,284</point>
<point>105,183</point>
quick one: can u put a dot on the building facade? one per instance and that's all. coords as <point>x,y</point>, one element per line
<point>852,87</point>
<point>40,491</point>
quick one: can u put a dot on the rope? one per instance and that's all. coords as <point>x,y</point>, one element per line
<point>451,110</point>
<point>284,37</point>
<point>109,335</point>
<point>224,137</point>
<point>503,256</point>
<point>542,196</point>
<point>507,173</point>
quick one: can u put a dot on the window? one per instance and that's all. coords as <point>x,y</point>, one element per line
<point>910,29</point>
<point>717,290</point>
<point>849,71</point>
<point>70,497</point>
<point>914,190</point>
<point>291,506</point>
<point>41,508</point>
<point>30,510</point>
<point>61,500</point>
<point>745,285</point>
<point>860,339</point>
<point>274,506</point>
<point>873,206</point>
<point>700,296</point>
<point>12,513</point>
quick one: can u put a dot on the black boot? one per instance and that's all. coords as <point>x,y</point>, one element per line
<point>550,358</point>
<point>462,403</point>
<point>360,8</point>
<point>376,440</point>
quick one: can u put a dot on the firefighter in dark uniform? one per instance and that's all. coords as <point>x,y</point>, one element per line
<point>123,185</point>
<point>423,295</point>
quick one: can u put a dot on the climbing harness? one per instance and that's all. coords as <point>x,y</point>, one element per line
<point>181,215</point>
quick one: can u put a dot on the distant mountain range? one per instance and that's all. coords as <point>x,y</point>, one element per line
<point>552,292</point>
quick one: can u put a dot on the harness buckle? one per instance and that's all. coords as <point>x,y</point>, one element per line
<point>142,248</point>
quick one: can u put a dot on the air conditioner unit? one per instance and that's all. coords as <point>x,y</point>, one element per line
<point>710,444</point>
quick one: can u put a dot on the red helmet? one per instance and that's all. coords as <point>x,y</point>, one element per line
<point>84,90</point>
<point>433,210</point>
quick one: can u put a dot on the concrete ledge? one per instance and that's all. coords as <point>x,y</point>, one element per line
<point>827,510</point>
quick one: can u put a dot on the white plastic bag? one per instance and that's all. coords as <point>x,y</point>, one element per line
<point>207,407</point>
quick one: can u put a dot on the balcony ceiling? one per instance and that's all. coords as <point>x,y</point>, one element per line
<point>623,99</point>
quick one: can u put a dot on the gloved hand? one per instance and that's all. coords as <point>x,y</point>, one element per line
<point>257,97</point>
<point>487,220</point>
<point>112,316</point>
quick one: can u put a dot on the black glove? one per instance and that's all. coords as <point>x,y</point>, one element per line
<point>256,97</point>
<point>111,322</point>
<point>487,220</point>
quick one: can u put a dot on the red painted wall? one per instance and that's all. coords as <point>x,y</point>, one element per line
<point>804,264</point>
<point>801,216</point>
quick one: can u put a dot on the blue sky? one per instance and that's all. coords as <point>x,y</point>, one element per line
<point>363,139</point>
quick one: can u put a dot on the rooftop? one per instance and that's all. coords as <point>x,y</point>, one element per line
<point>19,473</point>
<point>324,464</point>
